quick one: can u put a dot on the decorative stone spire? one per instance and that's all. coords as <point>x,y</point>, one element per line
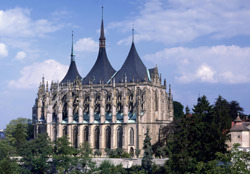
<point>72,48</point>
<point>102,37</point>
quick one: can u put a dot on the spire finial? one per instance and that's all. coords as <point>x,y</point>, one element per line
<point>133,32</point>
<point>102,12</point>
<point>102,37</point>
<point>72,48</point>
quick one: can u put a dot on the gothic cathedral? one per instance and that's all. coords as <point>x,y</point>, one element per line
<point>107,108</point>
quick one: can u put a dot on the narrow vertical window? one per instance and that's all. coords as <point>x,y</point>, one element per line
<point>86,134</point>
<point>131,136</point>
<point>97,134</point>
<point>75,137</point>
<point>119,137</point>
<point>108,137</point>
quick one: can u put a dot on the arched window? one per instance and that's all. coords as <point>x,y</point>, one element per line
<point>86,134</point>
<point>65,131</point>
<point>131,151</point>
<point>156,101</point>
<point>65,113</point>
<point>131,107</point>
<point>54,134</point>
<point>97,134</point>
<point>119,137</point>
<point>75,137</point>
<point>75,113</point>
<point>108,137</point>
<point>131,136</point>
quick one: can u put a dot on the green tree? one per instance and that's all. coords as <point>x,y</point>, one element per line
<point>86,163</point>
<point>223,123</point>
<point>233,162</point>
<point>205,131</point>
<point>19,130</point>
<point>106,167</point>
<point>63,156</point>
<point>35,155</point>
<point>179,147</point>
<point>7,165</point>
<point>187,110</point>
<point>235,108</point>
<point>148,153</point>
<point>178,110</point>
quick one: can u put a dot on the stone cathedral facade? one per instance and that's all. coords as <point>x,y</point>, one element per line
<point>107,108</point>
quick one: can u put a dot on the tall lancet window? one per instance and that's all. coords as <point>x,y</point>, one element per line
<point>65,112</point>
<point>119,137</point>
<point>75,109</point>
<point>86,134</point>
<point>156,101</point>
<point>97,134</point>
<point>108,137</point>
<point>54,133</point>
<point>75,137</point>
<point>65,131</point>
<point>131,136</point>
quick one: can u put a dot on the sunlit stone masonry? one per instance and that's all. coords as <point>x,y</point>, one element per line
<point>107,108</point>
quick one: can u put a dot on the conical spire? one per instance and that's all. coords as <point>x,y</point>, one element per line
<point>72,73</point>
<point>133,67</point>
<point>102,37</point>
<point>102,69</point>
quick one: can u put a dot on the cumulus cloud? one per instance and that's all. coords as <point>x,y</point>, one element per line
<point>21,55</point>
<point>86,44</point>
<point>178,21</point>
<point>217,64</point>
<point>31,75</point>
<point>17,22</point>
<point>3,50</point>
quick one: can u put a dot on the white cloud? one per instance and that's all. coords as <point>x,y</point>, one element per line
<point>217,64</point>
<point>31,75</point>
<point>3,50</point>
<point>178,21</point>
<point>21,55</point>
<point>17,22</point>
<point>86,44</point>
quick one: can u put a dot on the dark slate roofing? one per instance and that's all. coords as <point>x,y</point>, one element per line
<point>133,68</point>
<point>102,69</point>
<point>72,73</point>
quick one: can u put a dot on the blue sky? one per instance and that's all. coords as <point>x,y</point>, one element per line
<point>200,47</point>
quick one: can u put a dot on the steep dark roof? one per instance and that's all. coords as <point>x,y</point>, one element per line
<point>72,73</point>
<point>102,69</point>
<point>133,68</point>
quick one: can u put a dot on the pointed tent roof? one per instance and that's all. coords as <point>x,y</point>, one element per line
<point>133,68</point>
<point>72,73</point>
<point>102,69</point>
